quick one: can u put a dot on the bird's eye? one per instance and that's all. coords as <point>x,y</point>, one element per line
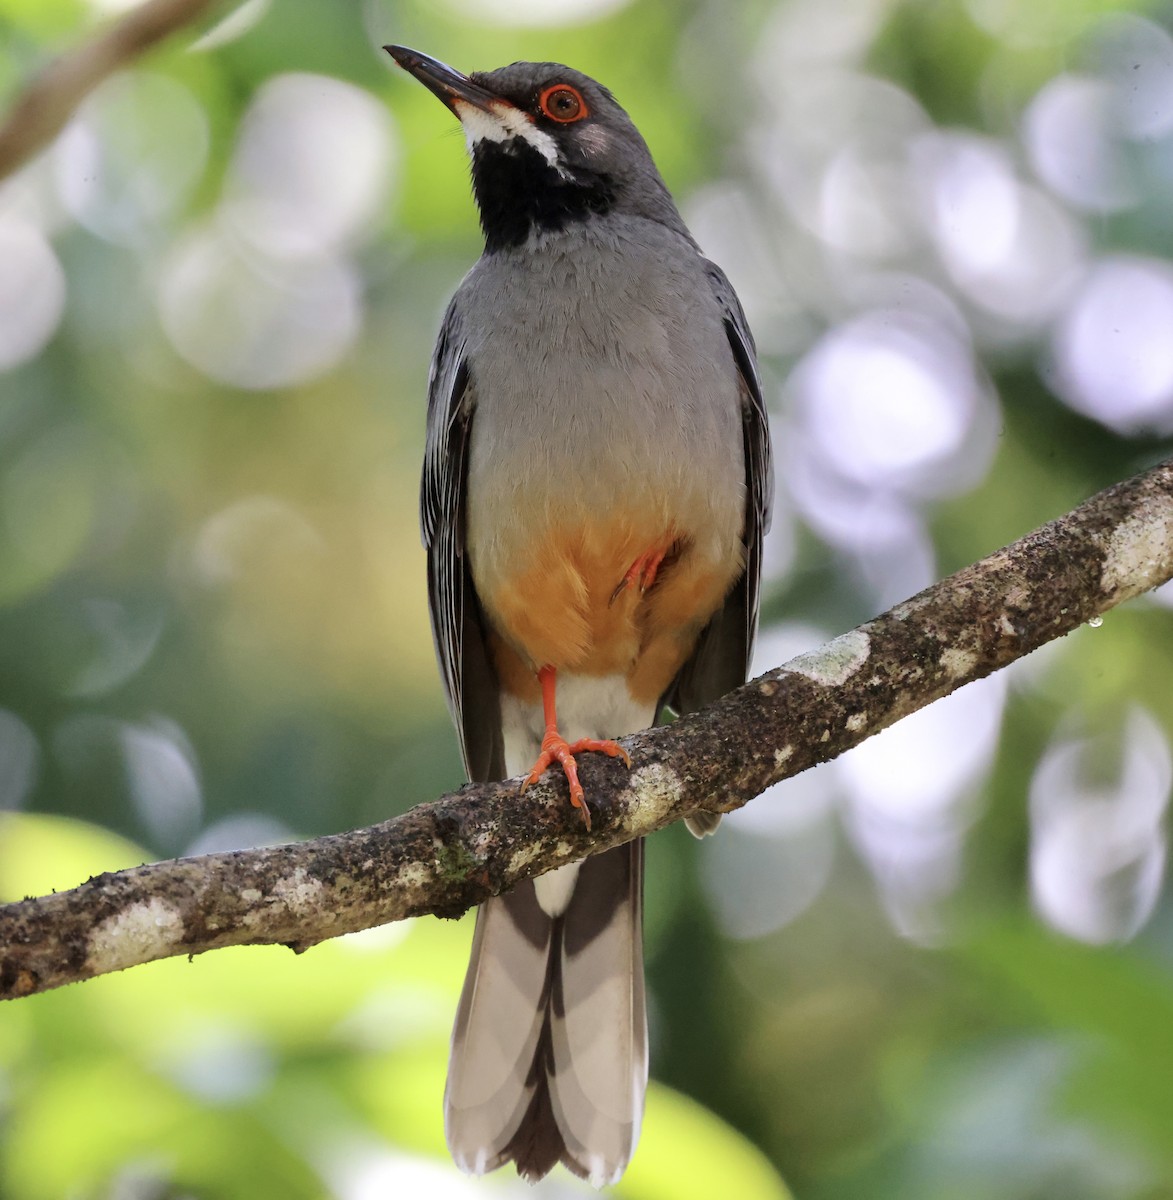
<point>563,103</point>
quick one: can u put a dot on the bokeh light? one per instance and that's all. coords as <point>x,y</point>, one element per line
<point>370,1172</point>
<point>888,400</point>
<point>130,157</point>
<point>1112,348</point>
<point>256,322</point>
<point>913,793</point>
<point>264,295</point>
<point>123,641</point>
<point>1008,247</point>
<point>32,291</point>
<point>1136,56</point>
<point>312,165</point>
<point>1069,132</point>
<point>248,536</point>
<point>19,758</point>
<point>1098,841</point>
<point>773,859</point>
<point>162,780</point>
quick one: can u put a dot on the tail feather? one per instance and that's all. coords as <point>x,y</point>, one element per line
<point>549,1051</point>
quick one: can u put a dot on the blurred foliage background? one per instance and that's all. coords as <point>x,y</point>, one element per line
<point>941,967</point>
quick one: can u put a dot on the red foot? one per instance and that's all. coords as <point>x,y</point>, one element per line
<point>556,749</point>
<point>641,572</point>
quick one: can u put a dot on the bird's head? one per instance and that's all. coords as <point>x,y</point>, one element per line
<point>549,147</point>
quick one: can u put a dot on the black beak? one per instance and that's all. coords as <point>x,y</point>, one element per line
<point>442,81</point>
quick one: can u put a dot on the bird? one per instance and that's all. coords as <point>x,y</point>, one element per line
<point>596,487</point>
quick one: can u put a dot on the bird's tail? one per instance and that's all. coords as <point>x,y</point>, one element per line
<point>549,1052</point>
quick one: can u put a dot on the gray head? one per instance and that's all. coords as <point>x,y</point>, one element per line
<point>549,147</point>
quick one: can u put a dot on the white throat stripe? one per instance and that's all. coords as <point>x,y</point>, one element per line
<point>501,125</point>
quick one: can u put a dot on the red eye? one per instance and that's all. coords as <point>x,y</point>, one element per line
<point>563,103</point>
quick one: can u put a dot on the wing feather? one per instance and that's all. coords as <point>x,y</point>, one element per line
<point>458,627</point>
<point>720,660</point>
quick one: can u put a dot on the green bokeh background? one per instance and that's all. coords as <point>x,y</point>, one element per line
<point>292,683</point>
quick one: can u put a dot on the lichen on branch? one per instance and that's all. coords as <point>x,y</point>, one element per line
<point>446,856</point>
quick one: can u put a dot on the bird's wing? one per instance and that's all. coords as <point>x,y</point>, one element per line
<point>470,682</point>
<point>720,660</point>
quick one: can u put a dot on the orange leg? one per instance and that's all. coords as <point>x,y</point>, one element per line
<point>641,572</point>
<point>555,748</point>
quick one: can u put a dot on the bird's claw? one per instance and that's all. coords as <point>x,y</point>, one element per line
<point>556,749</point>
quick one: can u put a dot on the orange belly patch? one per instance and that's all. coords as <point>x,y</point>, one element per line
<point>566,608</point>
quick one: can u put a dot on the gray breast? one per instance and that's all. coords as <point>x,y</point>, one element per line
<point>601,369</point>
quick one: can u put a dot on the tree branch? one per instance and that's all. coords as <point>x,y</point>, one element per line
<point>51,98</point>
<point>449,855</point>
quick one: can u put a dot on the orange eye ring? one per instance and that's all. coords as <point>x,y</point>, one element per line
<point>563,103</point>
